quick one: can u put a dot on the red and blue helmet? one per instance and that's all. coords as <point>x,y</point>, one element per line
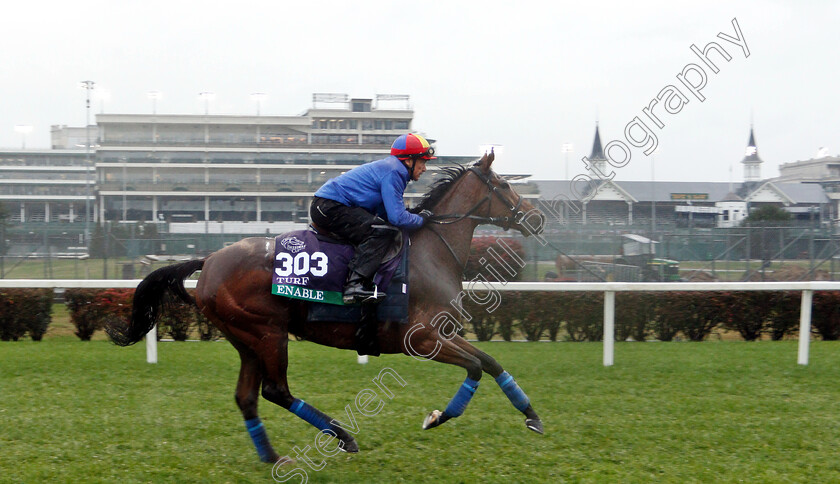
<point>412,146</point>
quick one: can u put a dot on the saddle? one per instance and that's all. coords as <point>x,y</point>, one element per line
<point>311,265</point>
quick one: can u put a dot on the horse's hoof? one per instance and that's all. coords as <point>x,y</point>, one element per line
<point>534,424</point>
<point>350,446</point>
<point>432,420</point>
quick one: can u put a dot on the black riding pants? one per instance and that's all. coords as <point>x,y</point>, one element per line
<point>371,235</point>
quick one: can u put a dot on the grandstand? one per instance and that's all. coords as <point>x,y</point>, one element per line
<point>175,170</point>
<point>665,204</point>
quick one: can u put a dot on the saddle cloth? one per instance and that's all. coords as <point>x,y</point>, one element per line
<point>313,267</point>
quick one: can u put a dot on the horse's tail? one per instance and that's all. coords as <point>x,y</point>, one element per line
<point>148,298</point>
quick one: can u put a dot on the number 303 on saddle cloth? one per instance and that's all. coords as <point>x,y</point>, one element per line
<point>312,267</point>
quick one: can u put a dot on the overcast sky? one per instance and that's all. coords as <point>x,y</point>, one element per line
<point>528,76</point>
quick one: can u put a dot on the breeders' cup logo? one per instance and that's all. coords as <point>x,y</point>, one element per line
<point>293,244</point>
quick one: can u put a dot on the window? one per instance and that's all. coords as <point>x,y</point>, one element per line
<point>400,124</point>
<point>334,139</point>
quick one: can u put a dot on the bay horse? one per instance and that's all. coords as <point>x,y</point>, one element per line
<point>234,292</point>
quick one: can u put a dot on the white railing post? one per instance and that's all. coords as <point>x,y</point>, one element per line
<point>151,345</point>
<point>805,326</point>
<point>609,327</point>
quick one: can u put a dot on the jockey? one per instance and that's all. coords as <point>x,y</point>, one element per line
<point>365,207</point>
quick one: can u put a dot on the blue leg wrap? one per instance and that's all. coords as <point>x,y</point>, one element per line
<point>256,430</point>
<point>459,402</point>
<point>515,394</point>
<point>310,414</point>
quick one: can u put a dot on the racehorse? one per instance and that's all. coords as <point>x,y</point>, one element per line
<point>234,292</point>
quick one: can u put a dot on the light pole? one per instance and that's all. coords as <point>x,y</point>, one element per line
<point>23,130</point>
<point>154,96</point>
<point>87,86</point>
<point>567,148</point>
<point>207,96</point>
<point>258,97</point>
<point>124,181</point>
<point>653,193</point>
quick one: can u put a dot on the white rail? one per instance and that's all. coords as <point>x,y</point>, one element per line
<point>609,289</point>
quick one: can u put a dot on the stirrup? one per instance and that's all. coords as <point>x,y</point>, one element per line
<point>358,294</point>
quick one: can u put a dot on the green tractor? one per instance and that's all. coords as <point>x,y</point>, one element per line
<point>641,252</point>
<point>661,270</point>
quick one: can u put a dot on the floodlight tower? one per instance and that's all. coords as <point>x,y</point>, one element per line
<point>88,87</point>
<point>207,96</point>
<point>258,97</point>
<point>23,130</point>
<point>154,96</point>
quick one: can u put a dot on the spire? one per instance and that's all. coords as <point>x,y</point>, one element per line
<point>752,162</point>
<point>597,150</point>
<point>752,150</point>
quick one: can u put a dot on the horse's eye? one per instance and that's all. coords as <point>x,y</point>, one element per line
<point>504,185</point>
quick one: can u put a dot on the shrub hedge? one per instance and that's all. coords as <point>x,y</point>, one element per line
<point>92,309</point>
<point>25,311</point>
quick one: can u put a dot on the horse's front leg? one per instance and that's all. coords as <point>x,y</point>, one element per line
<point>506,382</point>
<point>429,345</point>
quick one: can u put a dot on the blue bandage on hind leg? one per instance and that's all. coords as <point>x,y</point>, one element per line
<point>515,394</point>
<point>256,430</point>
<point>459,402</point>
<point>311,414</point>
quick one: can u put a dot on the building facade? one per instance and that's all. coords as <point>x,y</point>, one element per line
<point>207,173</point>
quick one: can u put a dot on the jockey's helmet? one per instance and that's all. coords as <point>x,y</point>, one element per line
<point>412,146</point>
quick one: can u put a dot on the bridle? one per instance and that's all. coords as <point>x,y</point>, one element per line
<point>504,222</point>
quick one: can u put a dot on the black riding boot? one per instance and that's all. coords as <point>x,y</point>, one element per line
<point>367,337</point>
<point>360,289</point>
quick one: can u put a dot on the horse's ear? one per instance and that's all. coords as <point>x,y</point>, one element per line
<point>486,161</point>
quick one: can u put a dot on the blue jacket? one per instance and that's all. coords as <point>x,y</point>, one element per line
<point>377,187</point>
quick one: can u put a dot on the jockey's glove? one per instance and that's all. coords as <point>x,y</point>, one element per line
<point>425,215</point>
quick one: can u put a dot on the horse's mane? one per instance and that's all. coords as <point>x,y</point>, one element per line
<point>451,174</point>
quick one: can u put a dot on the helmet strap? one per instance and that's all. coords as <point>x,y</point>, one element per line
<point>411,169</point>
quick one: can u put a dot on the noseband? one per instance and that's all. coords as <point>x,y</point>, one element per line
<point>504,222</point>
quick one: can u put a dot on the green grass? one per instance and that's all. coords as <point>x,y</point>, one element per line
<point>666,412</point>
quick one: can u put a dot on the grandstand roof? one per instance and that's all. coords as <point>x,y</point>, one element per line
<point>803,192</point>
<point>732,197</point>
<point>662,191</point>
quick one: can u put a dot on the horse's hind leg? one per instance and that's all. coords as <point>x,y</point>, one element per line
<point>506,382</point>
<point>273,352</point>
<point>247,396</point>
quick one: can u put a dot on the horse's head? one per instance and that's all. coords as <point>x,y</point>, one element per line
<point>506,208</point>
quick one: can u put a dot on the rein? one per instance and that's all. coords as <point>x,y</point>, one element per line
<point>504,222</point>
